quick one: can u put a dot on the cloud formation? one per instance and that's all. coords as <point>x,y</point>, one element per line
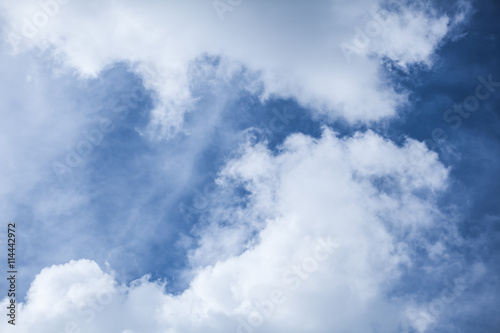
<point>324,54</point>
<point>329,230</point>
<point>316,235</point>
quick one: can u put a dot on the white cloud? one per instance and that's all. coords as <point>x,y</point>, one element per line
<point>411,37</point>
<point>364,192</point>
<point>337,226</point>
<point>294,47</point>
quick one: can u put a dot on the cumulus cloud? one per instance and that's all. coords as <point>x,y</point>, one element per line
<point>329,230</point>
<point>407,37</point>
<point>296,49</point>
<point>325,226</point>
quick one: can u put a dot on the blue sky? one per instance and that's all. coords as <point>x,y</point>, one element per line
<point>176,168</point>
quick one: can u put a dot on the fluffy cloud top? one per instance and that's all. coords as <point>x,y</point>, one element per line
<point>295,49</point>
<point>333,228</point>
